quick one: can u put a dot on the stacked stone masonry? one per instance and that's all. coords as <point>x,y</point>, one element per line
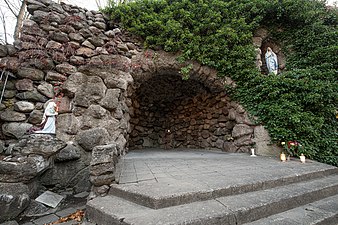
<point>113,95</point>
<point>54,58</point>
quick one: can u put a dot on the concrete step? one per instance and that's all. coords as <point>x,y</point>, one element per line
<point>234,209</point>
<point>322,212</point>
<point>170,192</point>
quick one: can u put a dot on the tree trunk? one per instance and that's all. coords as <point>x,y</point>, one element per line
<point>20,18</point>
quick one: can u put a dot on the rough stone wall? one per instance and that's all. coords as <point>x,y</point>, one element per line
<point>202,121</point>
<point>169,112</point>
<point>112,94</point>
<point>66,53</point>
<point>20,171</point>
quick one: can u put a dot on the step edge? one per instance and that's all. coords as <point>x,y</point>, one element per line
<point>157,203</point>
<point>284,204</point>
<point>329,218</point>
<point>241,216</point>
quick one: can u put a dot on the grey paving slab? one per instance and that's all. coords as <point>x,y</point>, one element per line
<point>129,178</point>
<point>46,219</point>
<point>28,223</point>
<point>198,187</point>
<point>13,222</point>
<point>180,174</point>
<point>82,194</point>
<point>147,176</point>
<point>65,212</point>
<point>49,198</point>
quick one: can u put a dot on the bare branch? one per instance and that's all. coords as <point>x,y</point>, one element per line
<point>11,7</point>
<point>2,19</point>
<point>98,3</point>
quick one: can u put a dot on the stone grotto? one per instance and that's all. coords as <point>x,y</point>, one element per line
<point>114,96</point>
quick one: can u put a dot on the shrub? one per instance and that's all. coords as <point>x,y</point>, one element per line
<point>301,103</point>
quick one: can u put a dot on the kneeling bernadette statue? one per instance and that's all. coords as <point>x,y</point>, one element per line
<point>49,119</point>
<point>271,61</point>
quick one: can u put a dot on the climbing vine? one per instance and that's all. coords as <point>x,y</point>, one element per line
<point>299,104</point>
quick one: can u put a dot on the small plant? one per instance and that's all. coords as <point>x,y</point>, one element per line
<point>292,148</point>
<point>8,103</point>
<point>185,71</point>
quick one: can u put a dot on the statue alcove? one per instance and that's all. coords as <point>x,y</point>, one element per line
<point>277,50</point>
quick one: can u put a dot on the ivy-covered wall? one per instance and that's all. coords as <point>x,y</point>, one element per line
<point>299,104</point>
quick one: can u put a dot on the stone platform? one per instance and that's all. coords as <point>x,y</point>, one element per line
<point>205,187</point>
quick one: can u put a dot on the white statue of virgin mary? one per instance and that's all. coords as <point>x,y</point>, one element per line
<point>49,119</point>
<point>271,61</point>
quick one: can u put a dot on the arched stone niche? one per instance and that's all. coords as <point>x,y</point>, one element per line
<point>262,40</point>
<point>168,112</point>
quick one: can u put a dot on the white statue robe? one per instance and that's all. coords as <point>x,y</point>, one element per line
<point>271,62</point>
<point>49,118</point>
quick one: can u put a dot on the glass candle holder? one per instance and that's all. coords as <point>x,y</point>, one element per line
<point>282,157</point>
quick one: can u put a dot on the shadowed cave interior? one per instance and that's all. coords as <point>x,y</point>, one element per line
<point>169,112</point>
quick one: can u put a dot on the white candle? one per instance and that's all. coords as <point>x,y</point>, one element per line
<point>253,152</point>
<point>302,158</point>
<point>282,157</point>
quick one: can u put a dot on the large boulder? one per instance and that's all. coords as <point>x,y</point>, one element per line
<point>69,153</point>
<point>35,117</point>
<point>39,144</point>
<point>30,73</point>
<point>241,130</point>
<point>119,80</point>
<point>111,99</point>
<point>12,116</point>
<point>16,130</point>
<point>86,52</point>
<point>54,76</point>
<point>88,139</point>
<point>68,171</point>
<point>91,92</point>
<point>74,174</point>
<point>103,154</point>
<point>97,116</point>
<point>46,89</point>
<point>14,198</point>
<point>23,106</point>
<point>24,85</point>
<point>66,68</point>
<point>263,142</point>
<point>68,124</point>
<point>22,168</point>
<point>33,96</point>
<point>73,84</point>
